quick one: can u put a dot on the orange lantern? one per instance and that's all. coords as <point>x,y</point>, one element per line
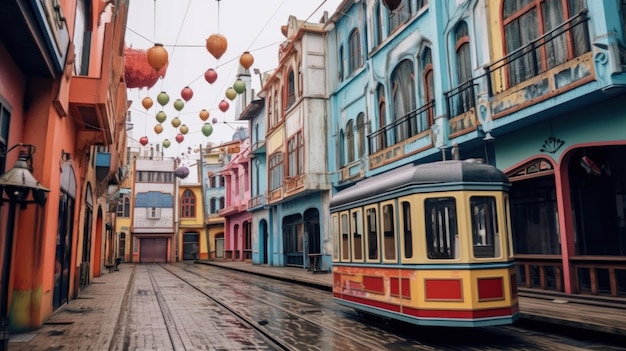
<point>246,60</point>
<point>157,57</point>
<point>216,44</point>
<point>147,102</point>
<point>204,114</point>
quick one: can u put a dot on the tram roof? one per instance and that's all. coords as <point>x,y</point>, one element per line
<point>435,173</point>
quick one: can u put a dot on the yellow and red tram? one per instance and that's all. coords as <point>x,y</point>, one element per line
<point>427,244</point>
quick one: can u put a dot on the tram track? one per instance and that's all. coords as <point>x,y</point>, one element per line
<point>298,316</point>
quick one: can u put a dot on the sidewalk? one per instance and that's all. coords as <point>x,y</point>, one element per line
<point>596,314</point>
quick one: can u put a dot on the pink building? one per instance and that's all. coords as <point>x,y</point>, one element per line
<point>237,219</point>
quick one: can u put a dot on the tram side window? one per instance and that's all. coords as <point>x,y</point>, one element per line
<point>389,233</point>
<point>372,235</point>
<point>357,235</point>
<point>345,237</point>
<point>335,224</point>
<point>441,228</point>
<point>408,234</point>
<point>485,236</point>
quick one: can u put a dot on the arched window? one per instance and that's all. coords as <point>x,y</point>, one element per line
<point>463,70</point>
<point>123,207</point>
<point>403,85</point>
<point>342,149</point>
<point>382,119</point>
<point>428,83</point>
<point>400,15</point>
<point>356,54</point>
<point>222,201</point>
<point>340,64</point>
<point>350,141</point>
<point>378,25</point>
<point>291,89</point>
<point>188,204</point>
<point>360,134</point>
<point>213,205</point>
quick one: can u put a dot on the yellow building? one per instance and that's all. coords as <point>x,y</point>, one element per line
<point>192,234</point>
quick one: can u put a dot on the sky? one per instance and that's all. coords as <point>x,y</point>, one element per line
<point>183,26</point>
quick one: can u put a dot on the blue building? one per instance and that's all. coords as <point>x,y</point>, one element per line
<point>535,87</point>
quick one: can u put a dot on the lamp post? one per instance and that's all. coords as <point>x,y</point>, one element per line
<point>18,183</point>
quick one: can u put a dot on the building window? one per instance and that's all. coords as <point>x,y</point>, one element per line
<point>188,204</point>
<point>382,119</point>
<point>428,81</point>
<point>403,85</point>
<point>213,205</point>
<point>340,64</point>
<point>291,89</point>
<point>275,116</point>
<point>356,55</point>
<point>153,212</point>
<point>295,155</point>
<point>154,177</point>
<point>378,25</point>
<point>360,135</point>
<point>276,171</point>
<point>525,21</point>
<point>123,207</point>
<point>399,16</point>
<point>350,141</point>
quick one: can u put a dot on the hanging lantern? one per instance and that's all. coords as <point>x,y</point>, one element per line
<point>161,116</point>
<point>158,128</point>
<point>157,57</point>
<point>143,140</point>
<point>210,75</point>
<point>137,71</point>
<point>246,60</point>
<point>176,122</point>
<point>166,143</point>
<point>216,44</point>
<point>178,105</point>
<point>163,98</point>
<point>207,129</point>
<point>392,4</point>
<point>204,114</point>
<point>183,129</point>
<point>214,120</point>
<point>180,138</point>
<point>147,102</point>
<point>223,105</point>
<point>239,86</point>
<point>231,94</point>
<point>186,93</point>
<point>181,172</point>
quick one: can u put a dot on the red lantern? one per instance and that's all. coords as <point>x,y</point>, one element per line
<point>392,4</point>
<point>210,75</point>
<point>143,140</point>
<point>180,138</point>
<point>204,115</point>
<point>223,105</point>
<point>186,93</point>
<point>137,71</point>
<point>246,60</point>
<point>216,44</point>
<point>157,57</point>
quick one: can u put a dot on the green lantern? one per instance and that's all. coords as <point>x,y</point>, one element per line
<point>161,116</point>
<point>166,143</point>
<point>179,104</point>
<point>207,129</point>
<point>163,98</point>
<point>239,86</point>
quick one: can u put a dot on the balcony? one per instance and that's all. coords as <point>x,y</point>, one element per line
<point>108,168</point>
<point>229,210</point>
<point>257,202</point>
<point>403,137</point>
<point>98,101</point>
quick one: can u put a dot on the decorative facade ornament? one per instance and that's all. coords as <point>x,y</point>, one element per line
<point>551,145</point>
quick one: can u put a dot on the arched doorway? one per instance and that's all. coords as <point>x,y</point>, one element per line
<point>264,235</point>
<point>65,229</point>
<point>219,245</point>
<point>84,268</point>
<point>293,239</point>
<point>97,253</point>
<point>312,238</point>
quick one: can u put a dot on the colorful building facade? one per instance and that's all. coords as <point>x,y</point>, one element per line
<point>62,92</point>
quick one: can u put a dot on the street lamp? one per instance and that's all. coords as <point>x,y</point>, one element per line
<point>18,183</point>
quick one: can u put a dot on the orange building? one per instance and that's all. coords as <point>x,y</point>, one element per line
<point>62,92</point>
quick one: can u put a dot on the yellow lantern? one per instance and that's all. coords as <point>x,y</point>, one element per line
<point>231,94</point>
<point>157,57</point>
<point>216,44</point>
<point>246,60</point>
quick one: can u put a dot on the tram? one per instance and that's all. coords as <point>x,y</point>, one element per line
<point>427,244</point>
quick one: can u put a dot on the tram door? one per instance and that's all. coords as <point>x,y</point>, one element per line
<point>190,246</point>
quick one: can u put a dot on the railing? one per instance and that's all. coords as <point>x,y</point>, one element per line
<point>258,200</point>
<point>462,98</point>
<point>540,55</point>
<point>540,271</point>
<point>403,128</point>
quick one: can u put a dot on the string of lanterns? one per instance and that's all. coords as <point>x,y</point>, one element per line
<point>157,57</point>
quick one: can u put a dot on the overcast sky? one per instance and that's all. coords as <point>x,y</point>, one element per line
<point>182,26</point>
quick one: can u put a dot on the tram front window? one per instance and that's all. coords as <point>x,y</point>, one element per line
<point>485,237</point>
<point>441,228</point>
